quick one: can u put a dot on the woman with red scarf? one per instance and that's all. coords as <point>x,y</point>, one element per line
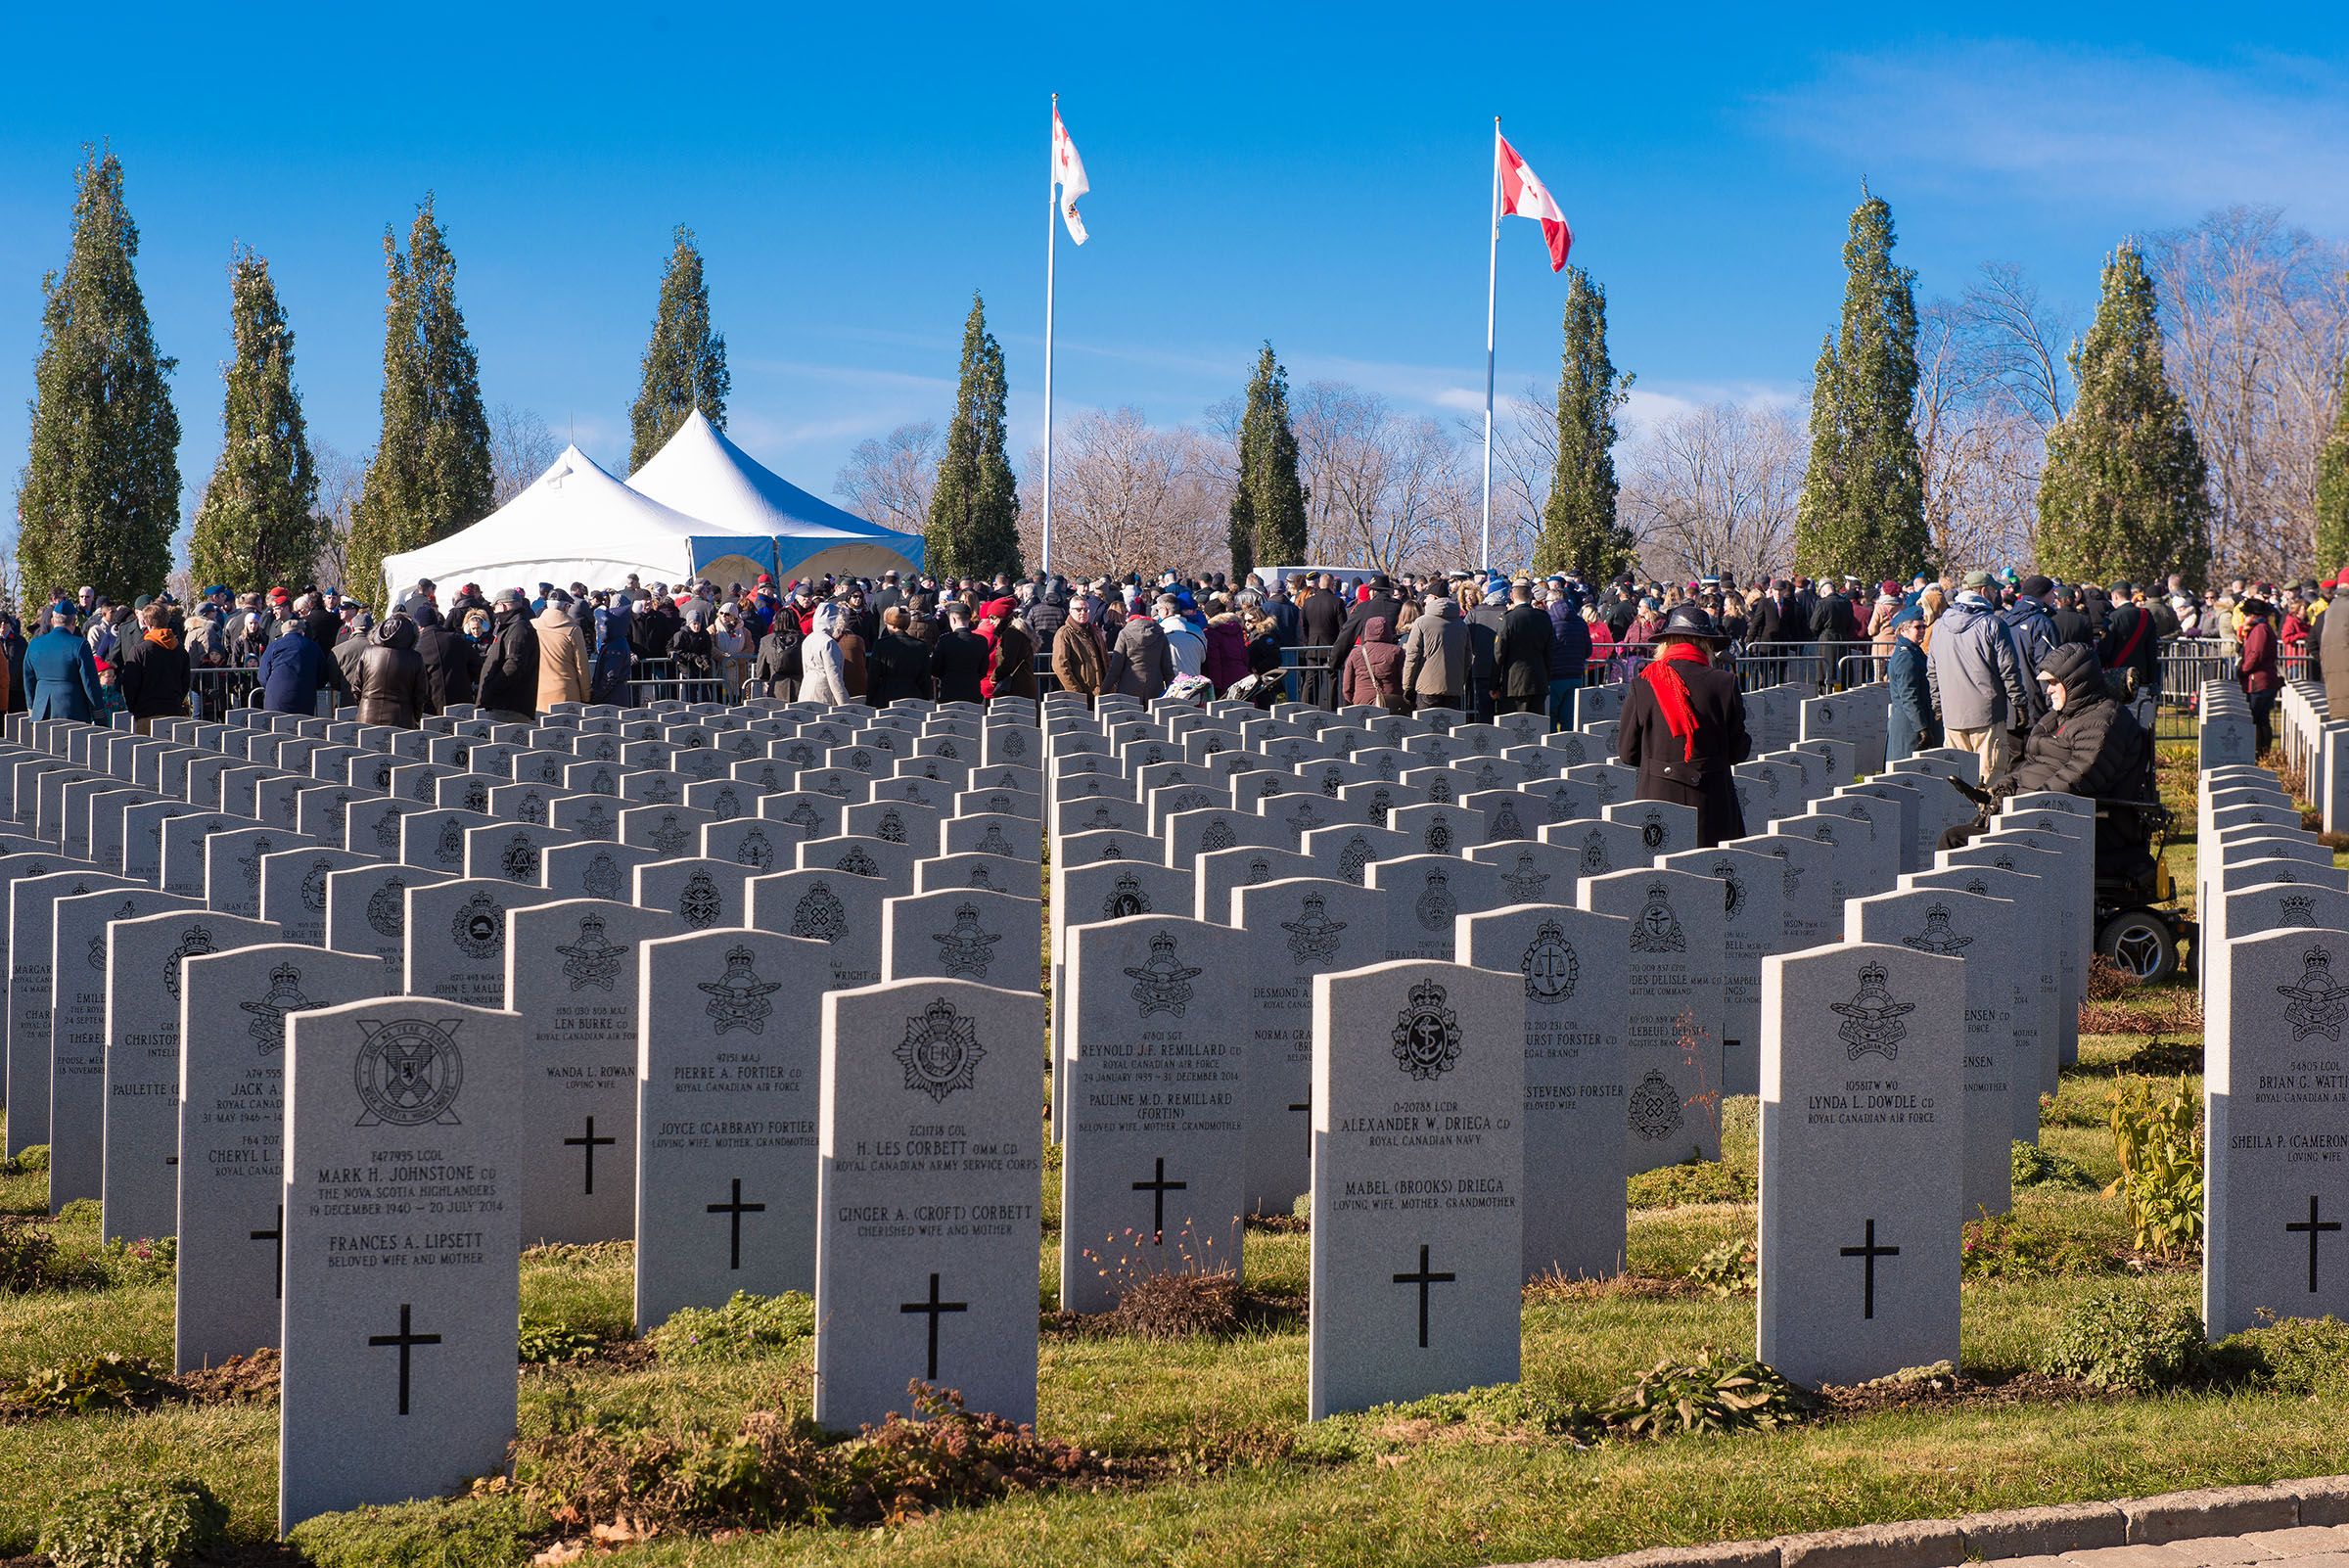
<point>1684,726</point>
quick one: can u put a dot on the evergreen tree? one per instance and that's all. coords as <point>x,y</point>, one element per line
<point>1863,507</point>
<point>1579,526</point>
<point>2123,495</point>
<point>2333,488</point>
<point>255,523</point>
<point>684,363</point>
<point>98,500</point>
<point>1267,502</point>
<point>430,475</point>
<point>975,512</point>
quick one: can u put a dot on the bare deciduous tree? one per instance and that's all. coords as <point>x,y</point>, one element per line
<point>2255,318</point>
<point>1714,489</point>
<point>1383,489</point>
<point>521,448</point>
<point>1988,389</point>
<point>889,481</point>
<point>341,478</point>
<point>1128,497</point>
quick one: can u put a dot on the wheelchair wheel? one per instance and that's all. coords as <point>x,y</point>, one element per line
<point>2139,943</point>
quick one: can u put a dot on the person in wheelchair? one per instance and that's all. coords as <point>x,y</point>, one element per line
<point>2088,742</point>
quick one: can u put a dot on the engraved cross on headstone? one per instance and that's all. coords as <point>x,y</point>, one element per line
<point>1157,1186</point>
<point>405,1341</point>
<point>734,1209</point>
<point>1869,1252</point>
<point>588,1143</point>
<point>276,1236</point>
<point>934,1306</point>
<point>2313,1227</point>
<point>1423,1278</point>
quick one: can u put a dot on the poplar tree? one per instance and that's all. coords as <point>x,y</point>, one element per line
<point>255,525</point>
<point>1580,529</point>
<point>975,512</point>
<point>2123,493</point>
<point>1863,507</point>
<point>430,475</point>
<point>97,499</point>
<point>2332,486</point>
<point>1268,501</point>
<point>684,363</point>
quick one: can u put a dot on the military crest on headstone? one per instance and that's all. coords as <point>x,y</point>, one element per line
<point>387,831</point>
<point>387,910</point>
<point>519,859</point>
<point>820,914</point>
<point>890,829</point>
<point>1651,830</point>
<point>1871,1019</point>
<point>857,862</point>
<point>1732,888</point>
<point>1438,790</point>
<point>128,911</point>
<point>1436,904</point>
<point>268,1026</point>
<point>2317,1004</point>
<point>1353,857</point>
<point>1550,965</point>
<point>699,902</point>
<point>670,837</point>
<point>756,849</point>
<point>1594,853</point>
<point>313,886</point>
<point>1313,935</point>
<point>596,822</point>
<point>1524,885</point>
<point>250,863</point>
<point>1427,1034</point>
<point>408,1072</point>
<point>1218,836</point>
<point>738,997</point>
<point>2297,908</point>
<point>805,816</point>
<point>1505,824</point>
<point>1125,898</point>
<point>966,949</point>
<point>451,843</point>
<point>1163,984</point>
<point>1654,1107</point>
<point>198,940</point>
<point>533,806</point>
<point>1658,929</point>
<point>476,796</point>
<point>941,1051</point>
<point>591,960</point>
<point>1937,937</point>
<point>478,925</point>
<point>1438,838</point>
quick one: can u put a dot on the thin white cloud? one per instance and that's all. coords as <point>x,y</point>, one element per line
<point>2131,132</point>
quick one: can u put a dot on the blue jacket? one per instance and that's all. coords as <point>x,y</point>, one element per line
<point>60,678</point>
<point>1912,725</point>
<point>292,669</point>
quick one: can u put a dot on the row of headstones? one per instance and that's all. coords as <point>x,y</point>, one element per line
<point>1155,1110</point>
<point>2225,735</point>
<point>1775,715</point>
<point>2316,746</point>
<point>2274,922</point>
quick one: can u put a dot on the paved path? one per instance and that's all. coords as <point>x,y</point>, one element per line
<point>2301,1546</point>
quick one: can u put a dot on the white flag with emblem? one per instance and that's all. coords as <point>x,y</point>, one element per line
<point>1068,172</point>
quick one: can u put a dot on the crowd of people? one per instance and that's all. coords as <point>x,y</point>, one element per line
<point>1961,654</point>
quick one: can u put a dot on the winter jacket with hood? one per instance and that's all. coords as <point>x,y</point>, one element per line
<point>1185,648</point>
<point>1226,659</point>
<point>1976,679</point>
<point>1435,653</point>
<point>452,669</point>
<point>2092,746</point>
<point>614,656</point>
<point>1141,665</point>
<point>1910,725</point>
<point>1374,676</point>
<point>2032,630</point>
<point>152,669</point>
<point>823,674</point>
<point>562,658</point>
<point>510,668</point>
<point>391,685</point>
<point>291,671</point>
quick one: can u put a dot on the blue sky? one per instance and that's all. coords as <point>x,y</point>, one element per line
<point>1317,176</point>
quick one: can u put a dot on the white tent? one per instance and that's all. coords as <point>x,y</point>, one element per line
<point>574,523</point>
<point>699,472</point>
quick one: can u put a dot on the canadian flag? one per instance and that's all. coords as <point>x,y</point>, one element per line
<point>1522,194</point>
<point>1068,172</point>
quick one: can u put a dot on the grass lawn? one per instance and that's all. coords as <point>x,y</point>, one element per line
<point>1231,1472</point>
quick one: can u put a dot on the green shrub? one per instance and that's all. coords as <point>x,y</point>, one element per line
<point>2158,1140</point>
<point>2035,1167</point>
<point>544,1340</point>
<point>2128,1340</point>
<point>2015,1246</point>
<point>1492,1409</point>
<point>746,1326</point>
<point>470,1533</point>
<point>107,1382</point>
<point>2304,1356</point>
<point>81,1212</point>
<point>134,1524</point>
<point>30,1261</point>
<point>26,1160</point>
<point>1672,1187</point>
<point>1707,1395</point>
<point>1732,1268</point>
<point>148,1261</point>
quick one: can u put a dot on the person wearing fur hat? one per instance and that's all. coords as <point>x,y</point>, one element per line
<point>1684,726</point>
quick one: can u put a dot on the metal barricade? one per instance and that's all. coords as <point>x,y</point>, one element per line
<point>212,692</point>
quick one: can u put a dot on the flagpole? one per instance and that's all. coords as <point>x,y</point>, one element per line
<point>1491,278</point>
<point>1051,244</point>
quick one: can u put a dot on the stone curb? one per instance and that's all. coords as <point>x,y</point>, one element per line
<point>2012,1533</point>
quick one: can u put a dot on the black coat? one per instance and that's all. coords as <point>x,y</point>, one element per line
<point>959,664</point>
<point>154,678</point>
<point>1319,614</point>
<point>1667,772</point>
<point>452,670</point>
<point>896,667</point>
<point>1360,615</point>
<point>2092,747</point>
<point>510,668</point>
<point>1523,652</point>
